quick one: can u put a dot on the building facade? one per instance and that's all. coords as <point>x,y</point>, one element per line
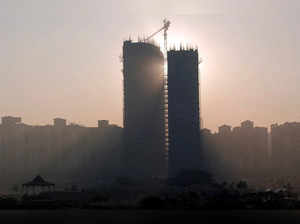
<point>144,133</point>
<point>285,140</point>
<point>66,154</point>
<point>183,111</point>
<point>241,152</point>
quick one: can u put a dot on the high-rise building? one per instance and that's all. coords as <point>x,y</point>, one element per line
<point>225,130</point>
<point>60,122</point>
<point>72,152</point>
<point>183,110</point>
<point>285,140</point>
<point>9,121</point>
<point>144,132</point>
<point>103,123</point>
<point>251,149</point>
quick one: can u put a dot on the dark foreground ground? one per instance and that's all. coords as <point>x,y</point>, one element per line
<point>147,216</point>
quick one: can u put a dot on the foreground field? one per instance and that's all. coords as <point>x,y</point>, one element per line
<point>147,216</point>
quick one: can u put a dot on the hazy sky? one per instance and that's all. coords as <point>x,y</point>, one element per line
<point>61,57</point>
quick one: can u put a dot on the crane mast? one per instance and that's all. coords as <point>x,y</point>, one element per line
<point>165,28</point>
<point>166,25</point>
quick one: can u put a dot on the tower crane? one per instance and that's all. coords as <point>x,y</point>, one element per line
<point>165,28</point>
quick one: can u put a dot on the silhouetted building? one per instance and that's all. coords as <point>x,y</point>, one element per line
<point>183,110</point>
<point>144,133</point>
<point>241,152</point>
<point>225,130</point>
<point>9,121</point>
<point>103,124</point>
<point>60,123</point>
<point>252,149</point>
<point>208,151</point>
<point>72,154</point>
<point>285,140</point>
<point>247,124</point>
<point>38,185</point>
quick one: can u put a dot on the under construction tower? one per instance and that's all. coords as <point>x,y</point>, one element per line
<point>183,110</point>
<point>144,131</point>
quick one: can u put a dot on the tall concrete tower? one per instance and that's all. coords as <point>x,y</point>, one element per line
<point>183,110</point>
<point>144,139</point>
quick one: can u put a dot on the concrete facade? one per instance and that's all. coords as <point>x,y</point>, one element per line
<point>183,110</point>
<point>143,70</point>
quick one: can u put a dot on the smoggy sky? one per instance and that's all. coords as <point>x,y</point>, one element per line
<point>60,58</point>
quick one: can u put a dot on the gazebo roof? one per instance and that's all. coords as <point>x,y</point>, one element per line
<point>38,181</point>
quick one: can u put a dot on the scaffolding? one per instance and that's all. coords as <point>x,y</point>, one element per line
<point>165,28</point>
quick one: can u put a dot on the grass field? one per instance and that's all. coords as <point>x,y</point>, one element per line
<point>147,216</point>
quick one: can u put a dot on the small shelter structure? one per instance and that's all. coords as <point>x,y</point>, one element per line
<point>37,185</point>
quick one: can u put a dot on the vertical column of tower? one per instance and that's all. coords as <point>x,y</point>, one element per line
<point>166,112</point>
<point>144,134</point>
<point>183,110</point>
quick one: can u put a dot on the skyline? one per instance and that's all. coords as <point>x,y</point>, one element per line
<point>64,62</point>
